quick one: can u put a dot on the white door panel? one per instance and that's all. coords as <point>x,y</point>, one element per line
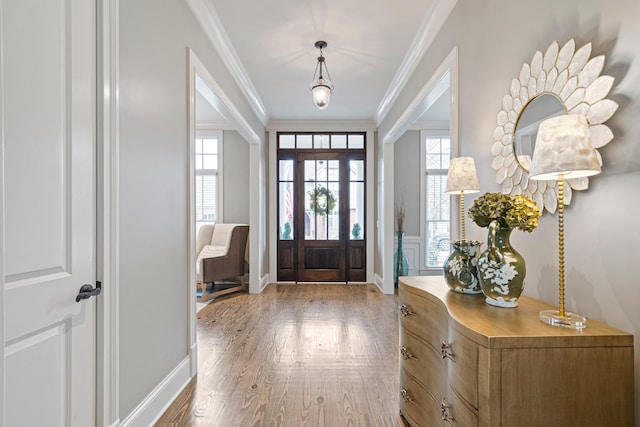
<point>49,141</point>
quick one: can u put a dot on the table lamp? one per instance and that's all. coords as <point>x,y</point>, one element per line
<point>562,151</point>
<point>461,178</point>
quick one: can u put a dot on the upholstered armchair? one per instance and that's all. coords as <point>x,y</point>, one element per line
<point>221,250</point>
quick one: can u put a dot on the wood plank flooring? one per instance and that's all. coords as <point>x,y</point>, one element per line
<point>295,355</point>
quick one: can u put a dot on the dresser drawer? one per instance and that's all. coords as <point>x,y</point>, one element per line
<point>423,362</point>
<point>418,406</point>
<point>462,366</point>
<point>423,318</point>
<point>457,413</point>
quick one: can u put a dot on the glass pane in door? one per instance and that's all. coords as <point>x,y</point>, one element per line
<point>356,199</point>
<point>322,195</point>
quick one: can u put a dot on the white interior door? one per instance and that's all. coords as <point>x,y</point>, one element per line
<point>48,135</point>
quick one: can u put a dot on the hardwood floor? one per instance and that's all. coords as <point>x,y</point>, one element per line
<point>295,355</point>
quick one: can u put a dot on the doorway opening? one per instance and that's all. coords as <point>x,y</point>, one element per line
<point>321,207</point>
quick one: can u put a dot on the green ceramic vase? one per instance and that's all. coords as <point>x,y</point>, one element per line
<point>501,269</point>
<point>460,268</point>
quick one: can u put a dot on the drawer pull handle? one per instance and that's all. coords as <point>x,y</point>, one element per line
<point>406,354</point>
<point>446,351</point>
<point>444,409</point>
<point>405,396</point>
<point>406,311</point>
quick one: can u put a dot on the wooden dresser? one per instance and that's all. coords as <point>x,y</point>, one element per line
<point>472,364</point>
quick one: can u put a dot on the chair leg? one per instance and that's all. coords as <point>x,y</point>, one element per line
<point>203,288</point>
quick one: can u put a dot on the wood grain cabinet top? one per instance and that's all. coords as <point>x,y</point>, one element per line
<point>464,362</point>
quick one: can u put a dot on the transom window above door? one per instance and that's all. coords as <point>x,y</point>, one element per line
<point>332,141</point>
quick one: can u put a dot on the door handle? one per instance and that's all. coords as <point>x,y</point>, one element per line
<point>88,291</point>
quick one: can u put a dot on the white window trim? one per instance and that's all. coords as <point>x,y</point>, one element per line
<point>202,132</point>
<point>454,211</point>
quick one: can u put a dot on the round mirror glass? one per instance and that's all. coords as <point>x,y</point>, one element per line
<point>541,107</point>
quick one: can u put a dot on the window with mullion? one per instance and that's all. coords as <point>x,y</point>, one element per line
<point>437,156</point>
<point>208,145</point>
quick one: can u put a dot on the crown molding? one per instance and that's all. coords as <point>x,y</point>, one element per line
<point>425,36</point>
<point>208,18</point>
<point>321,125</point>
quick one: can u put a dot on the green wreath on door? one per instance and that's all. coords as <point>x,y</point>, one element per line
<point>321,201</point>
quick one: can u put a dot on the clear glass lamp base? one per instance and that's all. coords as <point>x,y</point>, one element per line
<point>569,320</point>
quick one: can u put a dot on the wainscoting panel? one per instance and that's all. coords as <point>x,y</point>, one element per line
<point>412,251</point>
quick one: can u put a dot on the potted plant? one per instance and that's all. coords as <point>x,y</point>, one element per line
<point>356,231</point>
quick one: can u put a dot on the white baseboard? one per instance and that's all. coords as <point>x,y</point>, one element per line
<point>378,281</point>
<point>264,282</point>
<point>411,247</point>
<point>194,359</point>
<point>154,405</point>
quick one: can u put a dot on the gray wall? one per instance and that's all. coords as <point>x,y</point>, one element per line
<point>498,37</point>
<point>154,36</point>
<point>236,178</point>
<point>406,182</point>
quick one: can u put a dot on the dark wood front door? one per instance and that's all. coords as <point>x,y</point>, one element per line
<point>321,200</point>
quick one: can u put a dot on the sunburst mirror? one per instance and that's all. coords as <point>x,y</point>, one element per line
<point>560,81</point>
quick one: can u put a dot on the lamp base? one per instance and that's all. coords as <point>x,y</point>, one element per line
<point>569,320</point>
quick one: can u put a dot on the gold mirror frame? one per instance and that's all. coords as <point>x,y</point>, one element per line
<point>575,80</point>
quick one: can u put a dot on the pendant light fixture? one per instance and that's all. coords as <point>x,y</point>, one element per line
<point>321,88</point>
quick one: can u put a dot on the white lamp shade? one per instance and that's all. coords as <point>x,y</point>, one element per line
<point>321,90</point>
<point>462,176</point>
<point>563,147</point>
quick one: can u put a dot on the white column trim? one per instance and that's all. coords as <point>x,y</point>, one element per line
<point>273,205</point>
<point>387,218</point>
<point>192,342</point>
<point>2,224</point>
<point>256,216</point>
<point>107,240</point>
<point>370,206</point>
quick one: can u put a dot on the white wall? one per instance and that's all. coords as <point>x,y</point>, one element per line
<point>601,223</point>
<point>153,162</point>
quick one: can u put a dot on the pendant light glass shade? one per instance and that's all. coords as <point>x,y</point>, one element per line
<point>321,91</point>
<point>321,88</point>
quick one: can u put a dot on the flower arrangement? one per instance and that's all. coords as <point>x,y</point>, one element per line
<point>510,211</point>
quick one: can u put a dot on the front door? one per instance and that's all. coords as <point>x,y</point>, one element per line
<point>321,209</point>
<point>320,235</point>
<point>48,131</point>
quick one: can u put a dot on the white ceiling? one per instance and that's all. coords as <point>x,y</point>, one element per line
<point>371,44</point>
